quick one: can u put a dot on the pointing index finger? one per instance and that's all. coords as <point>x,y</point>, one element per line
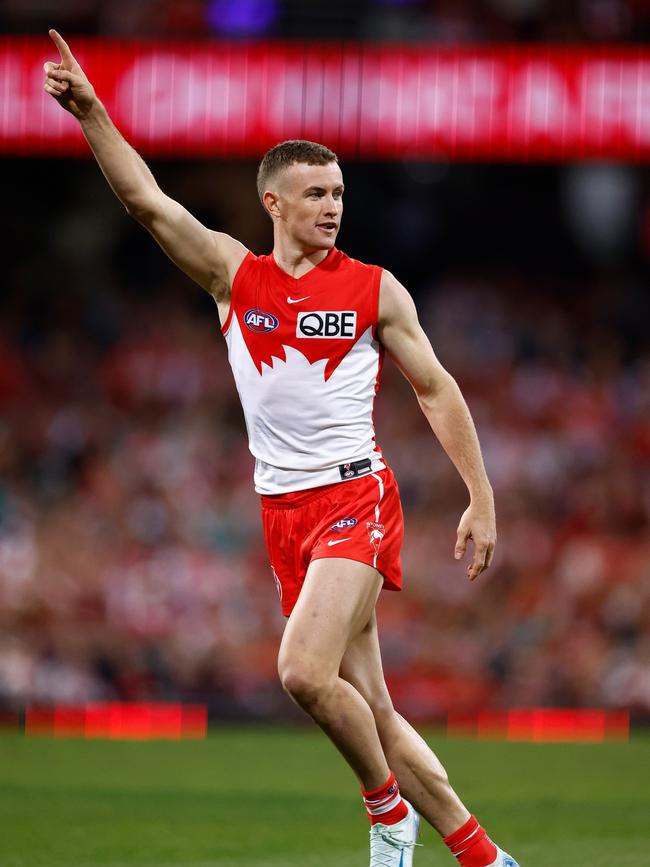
<point>62,45</point>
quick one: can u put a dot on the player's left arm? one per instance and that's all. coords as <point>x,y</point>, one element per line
<point>445,408</point>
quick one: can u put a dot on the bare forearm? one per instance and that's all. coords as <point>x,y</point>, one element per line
<point>450,419</point>
<point>123,168</point>
<point>447,413</point>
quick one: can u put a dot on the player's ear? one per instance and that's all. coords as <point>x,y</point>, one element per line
<point>271,203</point>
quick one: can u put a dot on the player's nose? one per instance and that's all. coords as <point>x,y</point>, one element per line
<point>331,208</point>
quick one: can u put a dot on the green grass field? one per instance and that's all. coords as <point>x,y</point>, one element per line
<point>278,798</point>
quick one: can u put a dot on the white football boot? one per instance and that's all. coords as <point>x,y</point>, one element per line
<point>392,845</point>
<point>503,859</point>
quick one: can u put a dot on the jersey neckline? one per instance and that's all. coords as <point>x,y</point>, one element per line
<point>327,264</point>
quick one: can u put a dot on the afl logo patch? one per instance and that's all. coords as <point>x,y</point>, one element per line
<point>260,321</point>
<point>343,524</point>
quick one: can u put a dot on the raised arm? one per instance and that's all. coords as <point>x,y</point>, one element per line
<point>210,258</point>
<point>443,405</point>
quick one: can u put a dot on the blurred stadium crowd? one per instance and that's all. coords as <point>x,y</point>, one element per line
<point>417,20</point>
<point>131,558</point>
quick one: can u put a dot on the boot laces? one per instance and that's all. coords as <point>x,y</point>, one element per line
<point>383,844</point>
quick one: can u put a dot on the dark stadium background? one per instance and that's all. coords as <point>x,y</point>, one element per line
<point>131,559</point>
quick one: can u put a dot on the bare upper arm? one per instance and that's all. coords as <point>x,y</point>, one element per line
<point>210,258</point>
<point>401,334</point>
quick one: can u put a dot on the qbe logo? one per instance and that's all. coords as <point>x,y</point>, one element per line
<point>327,324</point>
<point>260,321</point>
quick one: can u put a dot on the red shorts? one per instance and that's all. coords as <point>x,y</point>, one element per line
<point>357,520</point>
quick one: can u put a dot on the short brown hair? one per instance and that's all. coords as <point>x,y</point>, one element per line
<point>289,152</point>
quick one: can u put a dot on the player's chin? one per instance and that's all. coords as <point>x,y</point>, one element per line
<point>324,239</point>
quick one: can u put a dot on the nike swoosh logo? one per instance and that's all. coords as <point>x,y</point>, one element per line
<point>296,300</point>
<point>337,541</point>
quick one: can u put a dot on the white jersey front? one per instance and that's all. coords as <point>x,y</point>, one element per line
<point>306,363</point>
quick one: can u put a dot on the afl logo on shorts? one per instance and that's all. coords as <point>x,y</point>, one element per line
<point>327,324</point>
<point>343,524</point>
<point>258,320</point>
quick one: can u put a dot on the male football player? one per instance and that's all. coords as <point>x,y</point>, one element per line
<point>307,328</point>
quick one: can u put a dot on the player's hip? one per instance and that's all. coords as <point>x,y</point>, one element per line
<point>358,520</point>
<point>289,476</point>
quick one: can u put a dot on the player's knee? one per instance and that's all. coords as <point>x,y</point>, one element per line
<point>303,682</point>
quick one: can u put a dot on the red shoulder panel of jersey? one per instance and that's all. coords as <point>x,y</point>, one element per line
<point>321,314</point>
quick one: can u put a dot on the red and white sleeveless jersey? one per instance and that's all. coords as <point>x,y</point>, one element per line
<point>306,363</point>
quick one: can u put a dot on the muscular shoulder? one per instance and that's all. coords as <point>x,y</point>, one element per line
<point>395,302</point>
<point>230,254</point>
<point>342,261</point>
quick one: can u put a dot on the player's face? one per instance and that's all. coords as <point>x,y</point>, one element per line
<point>310,204</point>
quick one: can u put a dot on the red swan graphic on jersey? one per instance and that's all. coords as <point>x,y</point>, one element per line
<point>321,314</point>
<point>306,362</point>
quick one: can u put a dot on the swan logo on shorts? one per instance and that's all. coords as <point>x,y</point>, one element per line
<point>376,532</point>
<point>260,321</point>
<point>343,524</point>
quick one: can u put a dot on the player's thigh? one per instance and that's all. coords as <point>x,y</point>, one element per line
<point>361,666</point>
<point>336,602</point>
